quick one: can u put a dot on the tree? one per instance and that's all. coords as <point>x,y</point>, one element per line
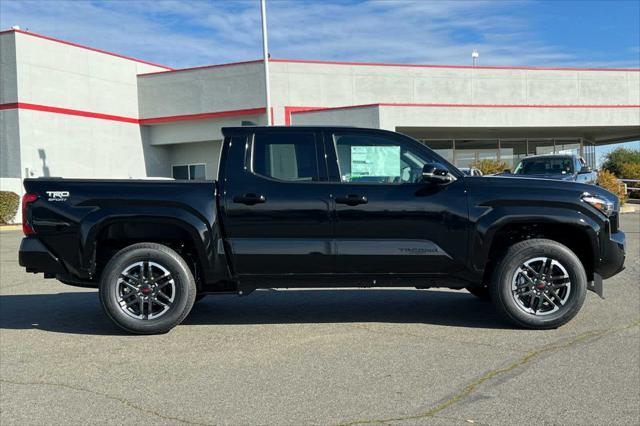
<point>614,160</point>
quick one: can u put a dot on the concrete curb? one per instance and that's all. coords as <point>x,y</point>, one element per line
<point>6,228</point>
<point>629,208</point>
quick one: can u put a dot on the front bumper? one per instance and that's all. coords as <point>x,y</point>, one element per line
<point>612,255</point>
<point>35,257</point>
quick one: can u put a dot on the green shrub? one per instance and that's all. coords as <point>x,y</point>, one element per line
<point>608,181</point>
<point>488,167</point>
<point>614,160</point>
<point>630,171</point>
<point>9,202</point>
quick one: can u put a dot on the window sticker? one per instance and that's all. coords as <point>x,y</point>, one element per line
<point>375,161</point>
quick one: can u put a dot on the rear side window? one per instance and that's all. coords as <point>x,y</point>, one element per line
<point>285,156</point>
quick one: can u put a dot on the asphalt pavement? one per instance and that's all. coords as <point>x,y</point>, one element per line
<point>294,357</point>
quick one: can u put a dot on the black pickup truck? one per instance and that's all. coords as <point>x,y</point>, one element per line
<point>323,207</point>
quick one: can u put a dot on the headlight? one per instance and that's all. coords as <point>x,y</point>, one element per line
<point>605,206</point>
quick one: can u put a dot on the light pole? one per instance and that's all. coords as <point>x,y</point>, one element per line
<point>474,56</point>
<point>265,50</point>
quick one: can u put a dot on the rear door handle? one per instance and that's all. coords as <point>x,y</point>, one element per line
<point>352,200</point>
<point>249,199</point>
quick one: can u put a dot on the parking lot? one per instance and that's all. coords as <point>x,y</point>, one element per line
<point>391,356</point>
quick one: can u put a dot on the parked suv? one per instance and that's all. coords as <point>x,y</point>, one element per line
<point>556,166</point>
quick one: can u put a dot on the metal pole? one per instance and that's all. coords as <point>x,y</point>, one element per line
<point>265,50</point>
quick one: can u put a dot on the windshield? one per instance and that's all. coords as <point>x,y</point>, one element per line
<point>542,166</point>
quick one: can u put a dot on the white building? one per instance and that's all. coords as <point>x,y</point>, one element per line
<point>74,111</point>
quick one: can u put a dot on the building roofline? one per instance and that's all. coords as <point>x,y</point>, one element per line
<point>303,110</point>
<point>383,64</point>
<point>68,43</point>
<point>386,64</point>
<point>229,64</point>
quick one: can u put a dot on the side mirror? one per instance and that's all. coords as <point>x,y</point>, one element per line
<point>585,169</point>
<point>435,173</point>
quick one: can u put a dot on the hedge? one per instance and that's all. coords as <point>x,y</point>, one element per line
<point>9,202</point>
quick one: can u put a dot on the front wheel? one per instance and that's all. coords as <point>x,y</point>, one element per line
<point>147,288</point>
<point>539,284</point>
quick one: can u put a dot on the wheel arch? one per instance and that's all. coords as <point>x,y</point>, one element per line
<point>188,235</point>
<point>578,233</point>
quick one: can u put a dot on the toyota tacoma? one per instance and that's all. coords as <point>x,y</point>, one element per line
<point>323,207</point>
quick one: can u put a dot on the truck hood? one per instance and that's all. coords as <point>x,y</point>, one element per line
<point>532,191</point>
<point>555,176</point>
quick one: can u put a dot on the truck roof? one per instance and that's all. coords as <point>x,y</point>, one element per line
<point>239,130</point>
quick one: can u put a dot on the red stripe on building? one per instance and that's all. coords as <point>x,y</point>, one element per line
<point>67,111</point>
<point>203,116</point>
<point>132,120</point>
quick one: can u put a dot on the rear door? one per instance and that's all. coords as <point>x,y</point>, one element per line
<point>276,207</point>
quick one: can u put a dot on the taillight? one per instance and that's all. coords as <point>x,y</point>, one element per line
<point>26,200</point>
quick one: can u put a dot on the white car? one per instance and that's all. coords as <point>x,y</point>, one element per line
<point>470,171</point>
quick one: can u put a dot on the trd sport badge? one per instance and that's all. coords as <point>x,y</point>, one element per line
<point>58,195</point>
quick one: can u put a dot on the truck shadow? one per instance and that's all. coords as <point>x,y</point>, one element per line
<point>80,312</point>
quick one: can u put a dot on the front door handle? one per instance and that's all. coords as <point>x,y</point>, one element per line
<point>352,200</point>
<point>249,199</point>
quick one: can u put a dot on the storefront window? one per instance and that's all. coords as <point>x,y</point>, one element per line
<point>512,151</point>
<point>589,153</point>
<point>568,147</point>
<point>444,148</point>
<point>540,146</point>
<point>470,152</point>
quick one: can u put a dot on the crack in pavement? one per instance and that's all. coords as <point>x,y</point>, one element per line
<point>104,395</point>
<point>422,336</point>
<point>472,386</point>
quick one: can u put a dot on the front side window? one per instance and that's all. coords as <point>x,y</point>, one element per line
<point>377,159</point>
<point>285,156</point>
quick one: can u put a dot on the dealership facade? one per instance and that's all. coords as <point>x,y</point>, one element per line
<point>75,111</point>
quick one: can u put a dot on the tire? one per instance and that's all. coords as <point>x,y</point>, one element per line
<point>126,296</point>
<point>480,291</point>
<point>567,280</point>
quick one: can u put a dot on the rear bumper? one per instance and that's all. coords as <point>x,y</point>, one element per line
<point>612,255</point>
<point>35,257</point>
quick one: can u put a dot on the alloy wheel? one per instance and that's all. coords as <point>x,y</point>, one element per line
<point>541,286</point>
<point>145,290</point>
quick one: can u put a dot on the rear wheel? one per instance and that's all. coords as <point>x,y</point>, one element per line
<point>147,288</point>
<point>539,284</point>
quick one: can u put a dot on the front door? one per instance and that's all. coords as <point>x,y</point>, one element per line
<point>276,207</point>
<point>387,220</point>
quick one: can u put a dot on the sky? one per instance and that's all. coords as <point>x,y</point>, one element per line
<point>199,32</point>
<point>185,33</point>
